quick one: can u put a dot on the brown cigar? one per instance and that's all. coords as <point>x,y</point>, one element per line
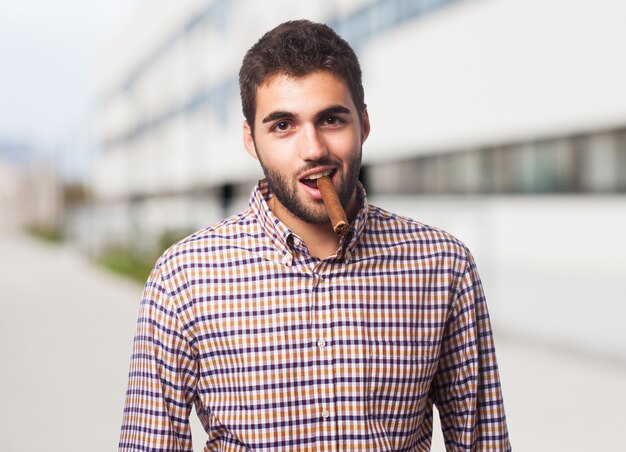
<point>336,214</point>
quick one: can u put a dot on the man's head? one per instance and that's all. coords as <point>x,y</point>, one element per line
<point>305,117</point>
<point>298,48</point>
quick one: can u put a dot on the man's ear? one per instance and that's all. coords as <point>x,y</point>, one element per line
<point>365,125</point>
<point>248,139</point>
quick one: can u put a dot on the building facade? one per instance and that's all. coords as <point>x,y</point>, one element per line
<point>503,121</point>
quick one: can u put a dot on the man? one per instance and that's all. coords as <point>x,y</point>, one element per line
<point>286,336</point>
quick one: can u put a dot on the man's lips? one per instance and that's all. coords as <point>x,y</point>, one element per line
<point>310,179</point>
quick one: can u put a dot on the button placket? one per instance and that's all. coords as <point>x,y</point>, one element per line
<point>321,324</point>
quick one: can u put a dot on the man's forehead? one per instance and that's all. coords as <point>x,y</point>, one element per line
<point>313,91</point>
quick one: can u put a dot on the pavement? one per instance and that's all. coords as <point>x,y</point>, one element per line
<point>66,330</point>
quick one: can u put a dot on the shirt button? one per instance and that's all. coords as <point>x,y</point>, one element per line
<point>321,343</point>
<point>325,414</point>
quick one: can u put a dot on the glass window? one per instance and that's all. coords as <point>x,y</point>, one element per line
<point>600,161</point>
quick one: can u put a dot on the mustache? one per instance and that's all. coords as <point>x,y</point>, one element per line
<point>316,163</point>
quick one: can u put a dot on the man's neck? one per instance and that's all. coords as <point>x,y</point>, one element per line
<point>320,239</point>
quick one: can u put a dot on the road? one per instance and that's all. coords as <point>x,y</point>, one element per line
<point>66,335</point>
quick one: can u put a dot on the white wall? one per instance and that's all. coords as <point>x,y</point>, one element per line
<point>484,72</point>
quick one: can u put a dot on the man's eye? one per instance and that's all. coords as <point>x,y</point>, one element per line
<point>281,126</point>
<point>332,120</point>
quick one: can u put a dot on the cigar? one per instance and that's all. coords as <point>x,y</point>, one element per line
<point>336,214</point>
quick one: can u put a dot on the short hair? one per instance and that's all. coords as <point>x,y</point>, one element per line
<point>298,48</point>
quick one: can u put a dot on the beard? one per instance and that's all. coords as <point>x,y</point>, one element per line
<point>287,192</point>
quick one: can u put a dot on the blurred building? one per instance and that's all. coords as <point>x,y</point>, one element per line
<point>503,121</point>
<point>31,193</point>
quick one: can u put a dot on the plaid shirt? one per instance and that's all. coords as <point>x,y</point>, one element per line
<point>279,350</point>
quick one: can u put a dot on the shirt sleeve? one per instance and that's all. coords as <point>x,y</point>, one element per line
<point>466,388</point>
<point>162,377</point>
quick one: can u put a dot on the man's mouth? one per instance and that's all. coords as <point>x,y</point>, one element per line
<point>311,179</point>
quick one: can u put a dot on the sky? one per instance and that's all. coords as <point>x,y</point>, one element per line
<point>48,55</point>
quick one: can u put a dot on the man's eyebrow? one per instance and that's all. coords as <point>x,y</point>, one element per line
<point>273,116</point>
<point>333,110</point>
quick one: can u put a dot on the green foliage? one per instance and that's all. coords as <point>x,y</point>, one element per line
<point>48,234</point>
<point>135,264</point>
<point>127,262</point>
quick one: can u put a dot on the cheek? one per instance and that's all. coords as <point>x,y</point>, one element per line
<point>276,155</point>
<point>346,144</point>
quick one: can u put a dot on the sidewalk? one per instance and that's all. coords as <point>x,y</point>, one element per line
<point>66,333</point>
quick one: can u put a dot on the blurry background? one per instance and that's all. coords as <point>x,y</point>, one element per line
<point>501,121</point>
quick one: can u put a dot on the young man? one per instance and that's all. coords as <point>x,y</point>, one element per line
<point>286,336</point>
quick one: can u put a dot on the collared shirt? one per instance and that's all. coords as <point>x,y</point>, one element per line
<point>279,350</point>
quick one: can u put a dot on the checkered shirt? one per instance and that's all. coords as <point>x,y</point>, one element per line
<point>279,350</point>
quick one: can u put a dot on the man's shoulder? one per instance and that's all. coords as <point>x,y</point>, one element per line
<point>232,231</point>
<point>393,229</point>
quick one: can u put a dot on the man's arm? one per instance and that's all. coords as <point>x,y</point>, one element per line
<point>162,377</point>
<point>466,389</point>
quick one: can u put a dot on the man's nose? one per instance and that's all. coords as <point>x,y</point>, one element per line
<point>313,146</point>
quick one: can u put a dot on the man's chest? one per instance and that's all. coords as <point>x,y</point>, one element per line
<point>350,352</point>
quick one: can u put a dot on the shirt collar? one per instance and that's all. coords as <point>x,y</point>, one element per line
<point>285,241</point>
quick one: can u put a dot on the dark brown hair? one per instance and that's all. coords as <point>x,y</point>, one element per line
<point>298,48</point>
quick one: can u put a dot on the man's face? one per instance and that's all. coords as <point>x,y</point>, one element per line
<point>306,127</point>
